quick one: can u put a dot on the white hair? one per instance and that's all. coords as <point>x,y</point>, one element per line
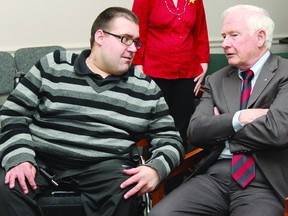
<point>257,19</point>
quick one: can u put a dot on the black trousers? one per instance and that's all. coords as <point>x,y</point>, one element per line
<point>216,193</point>
<point>99,187</point>
<point>179,95</point>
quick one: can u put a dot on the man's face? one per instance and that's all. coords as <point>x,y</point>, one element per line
<point>116,57</point>
<point>241,46</point>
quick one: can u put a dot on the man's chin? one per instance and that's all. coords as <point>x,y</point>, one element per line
<point>126,66</point>
<point>121,70</point>
<point>232,62</point>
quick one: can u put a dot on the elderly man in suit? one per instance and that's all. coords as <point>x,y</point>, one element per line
<point>242,122</point>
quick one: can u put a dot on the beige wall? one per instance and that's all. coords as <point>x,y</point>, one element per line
<point>67,22</point>
<point>39,22</point>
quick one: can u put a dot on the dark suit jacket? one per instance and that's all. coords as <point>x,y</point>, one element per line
<point>266,138</point>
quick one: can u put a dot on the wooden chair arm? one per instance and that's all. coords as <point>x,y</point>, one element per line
<point>286,207</point>
<point>190,160</point>
<point>188,164</point>
<point>200,92</point>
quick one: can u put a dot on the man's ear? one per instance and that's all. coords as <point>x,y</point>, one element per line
<point>261,34</point>
<point>99,37</point>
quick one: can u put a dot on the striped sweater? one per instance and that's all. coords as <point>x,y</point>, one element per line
<point>63,110</point>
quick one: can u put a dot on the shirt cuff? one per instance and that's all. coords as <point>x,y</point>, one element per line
<point>235,122</point>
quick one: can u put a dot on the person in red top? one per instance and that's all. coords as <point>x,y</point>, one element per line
<point>175,54</point>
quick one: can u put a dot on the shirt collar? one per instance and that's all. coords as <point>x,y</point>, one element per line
<point>256,68</point>
<point>82,69</point>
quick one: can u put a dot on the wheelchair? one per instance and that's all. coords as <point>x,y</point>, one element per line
<point>64,200</point>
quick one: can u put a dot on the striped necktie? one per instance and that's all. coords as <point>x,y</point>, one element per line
<point>243,165</point>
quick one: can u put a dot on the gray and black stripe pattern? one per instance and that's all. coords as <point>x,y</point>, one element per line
<point>59,109</point>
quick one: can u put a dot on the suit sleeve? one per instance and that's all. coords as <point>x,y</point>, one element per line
<point>205,128</point>
<point>270,131</point>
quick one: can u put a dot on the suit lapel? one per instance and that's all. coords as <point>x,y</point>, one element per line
<point>232,90</point>
<point>263,79</point>
<point>232,85</point>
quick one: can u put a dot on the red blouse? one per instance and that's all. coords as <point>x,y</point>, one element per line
<point>173,46</point>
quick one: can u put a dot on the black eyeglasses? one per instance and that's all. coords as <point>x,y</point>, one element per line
<point>126,40</point>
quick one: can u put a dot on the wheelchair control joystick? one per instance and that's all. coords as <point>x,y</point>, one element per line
<point>48,176</point>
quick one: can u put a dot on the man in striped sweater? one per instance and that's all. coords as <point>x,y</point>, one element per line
<point>81,116</point>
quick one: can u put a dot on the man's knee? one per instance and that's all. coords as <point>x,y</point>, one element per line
<point>5,192</point>
<point>160,210</point>
<point>4,188</point>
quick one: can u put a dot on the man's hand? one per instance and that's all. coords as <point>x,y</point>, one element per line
<point>22,172</point>
<point>249,115</point>
<point>145,178</point>
<point>216,111</point>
